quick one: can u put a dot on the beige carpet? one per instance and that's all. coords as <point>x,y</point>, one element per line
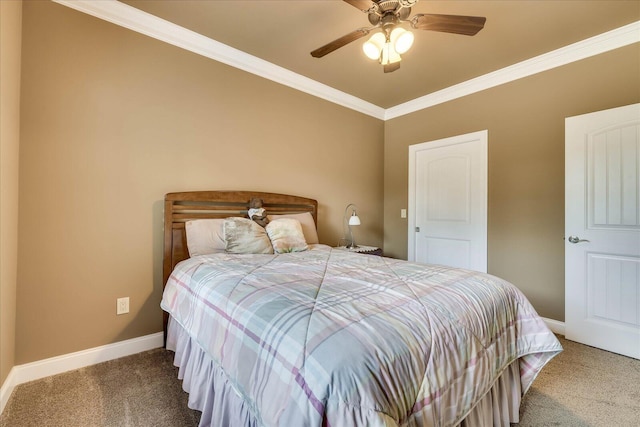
<point>138,390</point>
<point>582,386</point>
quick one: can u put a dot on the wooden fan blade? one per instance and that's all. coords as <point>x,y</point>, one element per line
<point>338,43</point>
<point>389,68</point>
<point>363,5</point>
<point>456,24</point>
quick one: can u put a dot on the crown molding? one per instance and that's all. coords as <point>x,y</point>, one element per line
<point>142,22</point>
<point>596,45</point>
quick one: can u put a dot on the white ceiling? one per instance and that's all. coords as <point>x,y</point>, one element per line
<point>283,33</point>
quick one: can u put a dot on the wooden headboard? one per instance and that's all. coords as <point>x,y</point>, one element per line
<point>182,207</point>
<point>186,206</point>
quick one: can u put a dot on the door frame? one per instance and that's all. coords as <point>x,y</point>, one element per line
<point>483,138</point>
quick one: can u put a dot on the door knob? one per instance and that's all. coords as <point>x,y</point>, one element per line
<point>574,239</point>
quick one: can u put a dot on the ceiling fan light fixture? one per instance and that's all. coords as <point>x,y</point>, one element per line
<point>393,41</point>
<point>387,50</point>
<point>373,46</point>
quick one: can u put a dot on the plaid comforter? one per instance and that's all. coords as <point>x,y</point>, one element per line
<point>328,337</point>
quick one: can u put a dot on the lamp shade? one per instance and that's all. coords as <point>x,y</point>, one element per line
<point>373,46</point>
<point>401,40</point>
<point>389,55</point>
<point>354,219</point>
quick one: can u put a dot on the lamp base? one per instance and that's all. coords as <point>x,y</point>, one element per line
<point>352,246</point>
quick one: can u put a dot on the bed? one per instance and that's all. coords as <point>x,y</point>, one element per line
<point>322,337</point>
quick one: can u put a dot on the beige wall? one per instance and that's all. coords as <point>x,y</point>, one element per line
<point>113,120</point>
<point>525,120</point>
<point>10,46</point>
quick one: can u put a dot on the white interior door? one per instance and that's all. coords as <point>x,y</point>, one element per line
<point>448,202</point>
<point>602,229</point>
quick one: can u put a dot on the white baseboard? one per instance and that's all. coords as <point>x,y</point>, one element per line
<point>56,365</point>
<point>7,388</point>
<point>556,326</point>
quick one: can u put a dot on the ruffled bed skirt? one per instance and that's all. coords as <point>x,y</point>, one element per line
<point>211,393</point>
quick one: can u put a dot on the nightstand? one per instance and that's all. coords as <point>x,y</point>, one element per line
<point>361,249</point>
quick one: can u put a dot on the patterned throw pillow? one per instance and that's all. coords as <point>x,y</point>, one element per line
<point>286,235</point>
<point>307,223</point>
<point>244,236</point>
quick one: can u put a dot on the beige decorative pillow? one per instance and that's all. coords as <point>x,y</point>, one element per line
<point>286,235</point>
<point>307,223</point>
<point>244,236</point>
<point>205,236</point>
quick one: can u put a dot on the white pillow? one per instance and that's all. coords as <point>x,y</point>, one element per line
<point>286,235</point>
<point>307,223</point>
<point>245,236</point>
<point>205,236</point>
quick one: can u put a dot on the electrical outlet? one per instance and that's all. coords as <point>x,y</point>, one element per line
<point>122,305</point>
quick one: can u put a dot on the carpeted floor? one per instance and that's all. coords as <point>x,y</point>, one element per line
<point>138,390</point>
<point>583,386</point>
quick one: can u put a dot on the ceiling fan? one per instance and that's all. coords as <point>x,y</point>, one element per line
<point>387,45</point>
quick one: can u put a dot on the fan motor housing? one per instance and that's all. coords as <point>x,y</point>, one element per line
<point>400,10</point>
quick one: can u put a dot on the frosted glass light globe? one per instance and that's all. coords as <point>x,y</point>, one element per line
<point>373,47</point>
<point>401,40</point>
